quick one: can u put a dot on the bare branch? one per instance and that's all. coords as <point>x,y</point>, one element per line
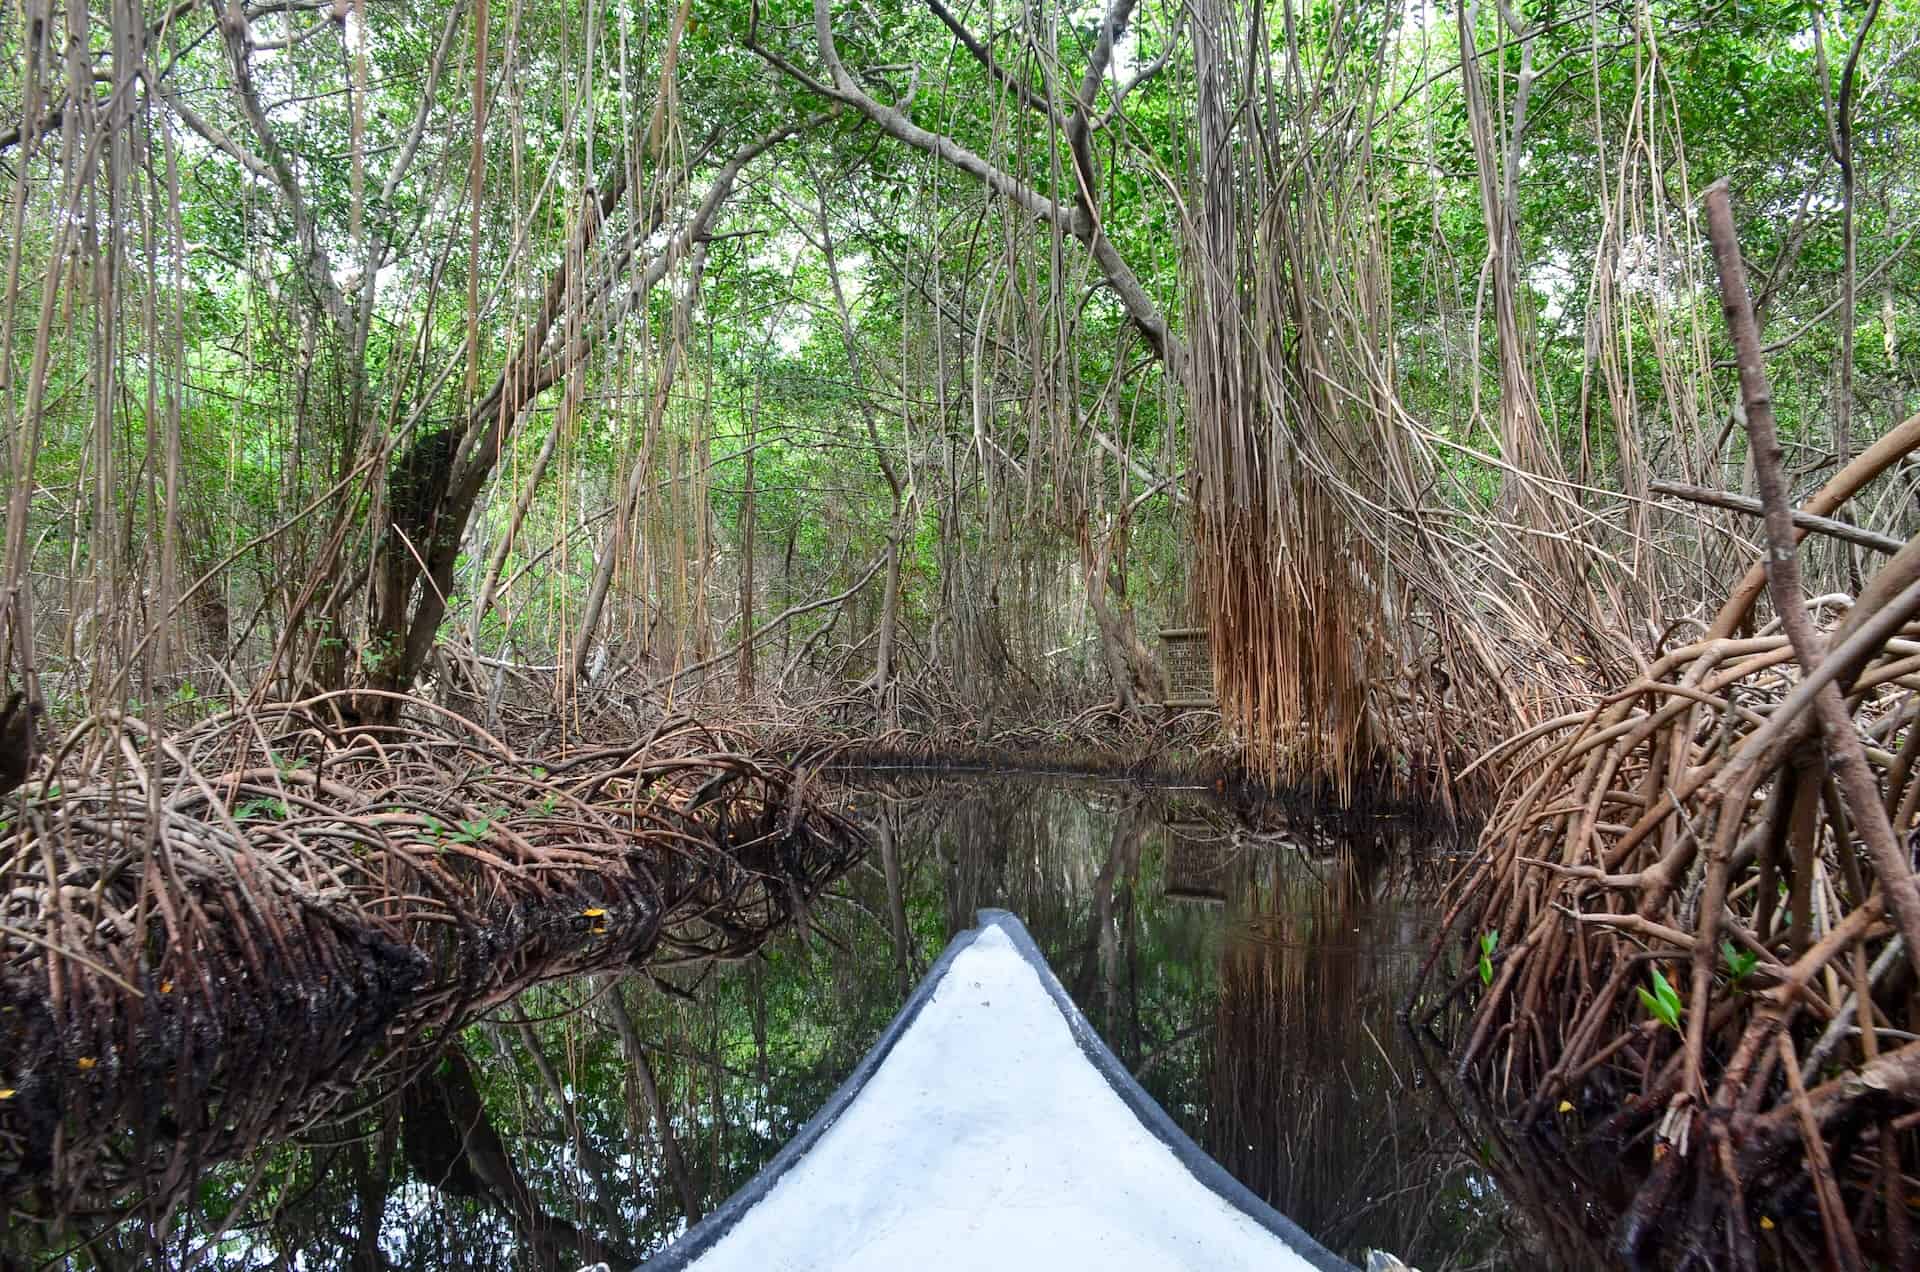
<point>1146,73</point>
<point>1804,520</point>
<point>984,55</point>
<point>428,92</point>
<point>315,264</point>
<point>1140,307</point>
<point>211,132</point>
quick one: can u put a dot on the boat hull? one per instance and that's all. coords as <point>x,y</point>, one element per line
<point>991,1128</point>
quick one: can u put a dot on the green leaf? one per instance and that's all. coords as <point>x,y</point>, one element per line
<point>471,831</point>
<point>1665,990</point>
<point>1740,963</point>
<point>1663,1003</point>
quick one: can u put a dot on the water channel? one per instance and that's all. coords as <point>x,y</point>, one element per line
<point>1248,974</point>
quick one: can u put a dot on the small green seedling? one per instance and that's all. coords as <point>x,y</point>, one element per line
<point>272,809</point>
<point>1663,1004</point>
<point>1740,963</point>
<point>470,832</point>
<point>1488,943</point>
<point>285,766</point>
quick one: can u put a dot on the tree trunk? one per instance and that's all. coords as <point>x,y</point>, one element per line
<point>403,630</point>
<point>656,1108</point>
<point>451,1143</point>
<point>1138,678</point>
<point>748,546</point>
<point>889,624</point>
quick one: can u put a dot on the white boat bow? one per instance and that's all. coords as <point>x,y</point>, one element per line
<point>991,1128</point>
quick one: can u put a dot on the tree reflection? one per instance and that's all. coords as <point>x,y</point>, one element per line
<point>1312,1100</point>
<point>1249,974</point>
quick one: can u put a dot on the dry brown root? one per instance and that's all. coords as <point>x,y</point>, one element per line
<point>208,940</point>
<point>1691,824</point>
<point>1695,923</point>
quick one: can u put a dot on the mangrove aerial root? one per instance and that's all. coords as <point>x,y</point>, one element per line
<point>209,939</point>
<point>1672,902</point>
<point>1693,933</point>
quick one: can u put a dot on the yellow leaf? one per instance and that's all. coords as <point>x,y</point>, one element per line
<point>6,1093</point>
<point>87,1062</point>
<point>1566,1106</point>
<point>600,931</point>
<point>166,987</point>
<point>593,912</point>
<point>1766,1224</point>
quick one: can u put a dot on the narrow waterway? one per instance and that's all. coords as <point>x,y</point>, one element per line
<point>1250,978</point>
<point>1247,970</point>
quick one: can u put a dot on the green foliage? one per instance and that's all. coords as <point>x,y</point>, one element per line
<point>1663,1001</point>
<point>1740,963</point>
<point>1001,376</point>
<point>470,830</point>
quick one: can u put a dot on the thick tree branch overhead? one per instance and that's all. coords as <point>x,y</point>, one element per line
<point>1040,100</point>
<point>1077,218</point>
<point>315,263</point>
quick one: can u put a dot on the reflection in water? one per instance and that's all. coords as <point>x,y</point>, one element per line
<point>1309,1106</point>
<point>1250,979</point>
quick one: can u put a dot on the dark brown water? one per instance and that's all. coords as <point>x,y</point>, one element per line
<point>1250,977</point>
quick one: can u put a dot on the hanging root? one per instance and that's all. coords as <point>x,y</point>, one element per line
<point>1695,927</point>
<point>206,940</point>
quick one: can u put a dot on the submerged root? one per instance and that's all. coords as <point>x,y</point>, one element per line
<point>1681,948</point>
<point>208,939</point>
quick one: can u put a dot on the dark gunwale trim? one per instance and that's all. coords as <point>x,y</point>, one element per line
<point>700,1238</point>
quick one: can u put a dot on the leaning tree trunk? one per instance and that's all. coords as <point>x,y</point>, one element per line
<point>413,602</point>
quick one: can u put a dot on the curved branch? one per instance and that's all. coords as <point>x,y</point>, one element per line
<point>315,263</point>
<point>1119,276</point>
<point>1080,124</point>
<point>429,93</point>
<point>984,55</point>
<point>1148,72</point>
